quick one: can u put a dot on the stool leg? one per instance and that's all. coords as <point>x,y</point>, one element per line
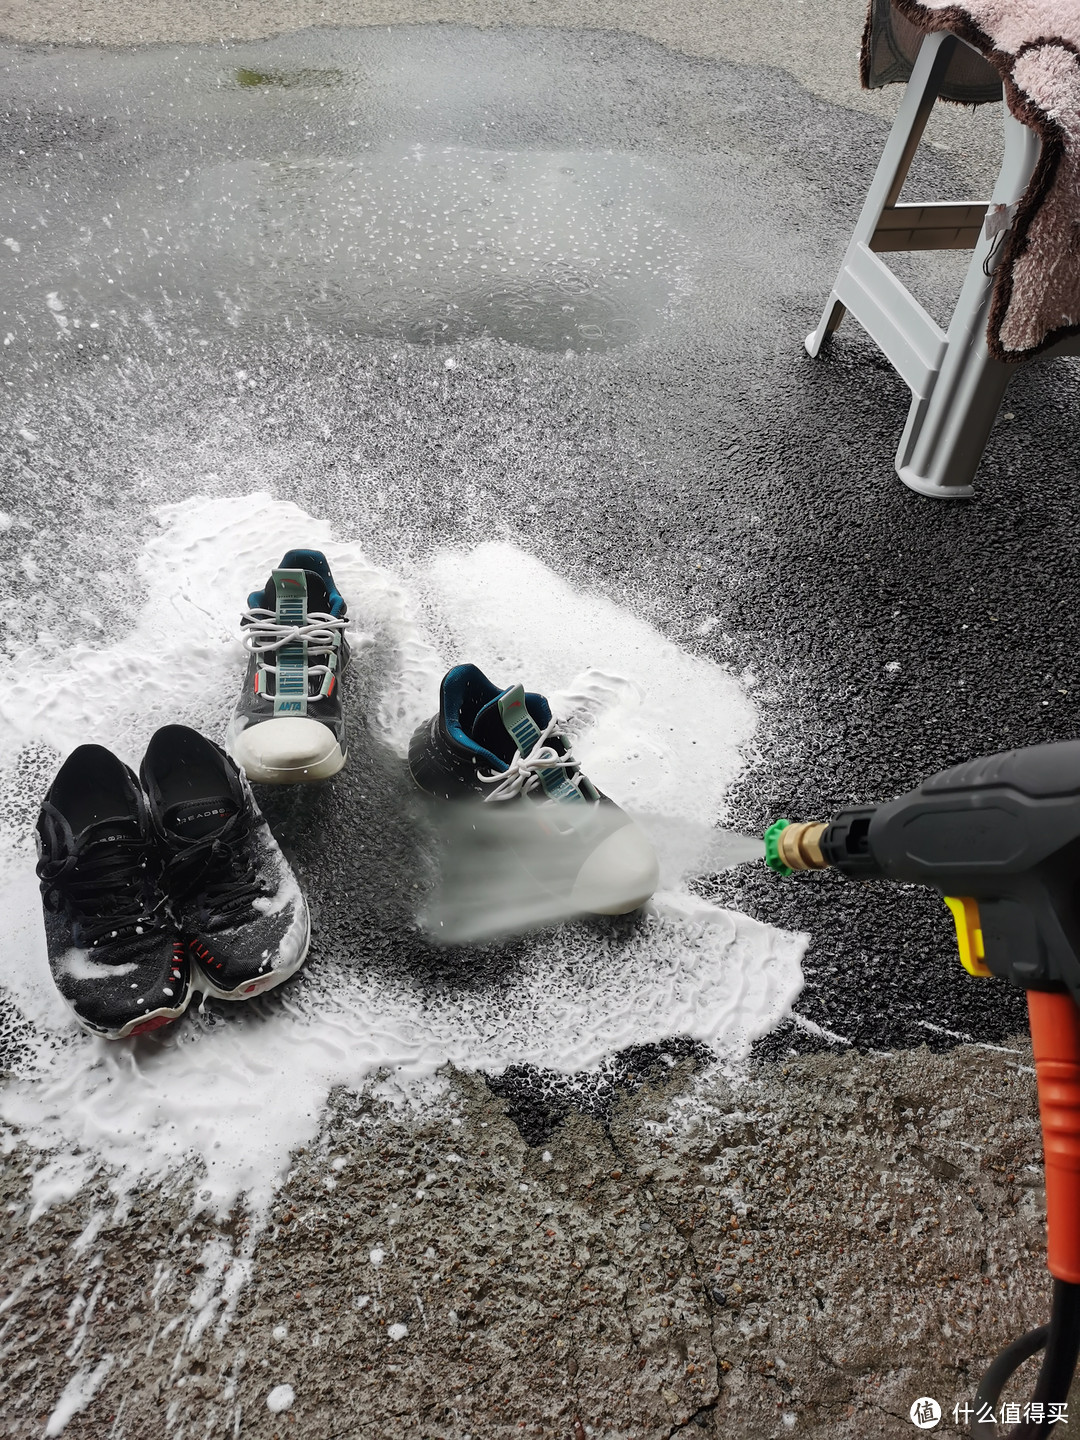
<point>947,431</point>
<point>919,96</point>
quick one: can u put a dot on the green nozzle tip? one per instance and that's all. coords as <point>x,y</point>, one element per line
<point>772,847</point>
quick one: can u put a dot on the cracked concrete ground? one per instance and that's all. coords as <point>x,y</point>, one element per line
<point>800,1249</point>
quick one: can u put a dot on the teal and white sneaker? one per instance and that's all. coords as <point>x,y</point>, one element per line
<point>289,724</point>
<point>500,750</point>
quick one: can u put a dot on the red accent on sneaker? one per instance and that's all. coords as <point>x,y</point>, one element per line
<point>155,1024</point>
<point>204,954</point>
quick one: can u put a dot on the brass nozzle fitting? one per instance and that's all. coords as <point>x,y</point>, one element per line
<point>799,847</point>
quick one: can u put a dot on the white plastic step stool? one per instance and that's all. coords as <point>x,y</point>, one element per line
<point>956,384</point>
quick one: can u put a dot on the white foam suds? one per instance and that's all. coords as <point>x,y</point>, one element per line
<point>77,1394</point>
<point>239,1097</point>
<point>280,1398</point>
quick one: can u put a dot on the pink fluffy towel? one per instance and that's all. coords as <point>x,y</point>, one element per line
<point>1034,46</point>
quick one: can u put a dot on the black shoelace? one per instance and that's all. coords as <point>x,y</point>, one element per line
<point>105,885</point>
<point>218,873</point>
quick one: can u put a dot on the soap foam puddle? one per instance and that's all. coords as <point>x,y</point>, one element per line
<point>238,1096</point>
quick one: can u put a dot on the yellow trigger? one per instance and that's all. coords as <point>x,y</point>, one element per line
<point>968,934</point>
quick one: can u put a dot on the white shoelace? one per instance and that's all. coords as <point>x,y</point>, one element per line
<point>522,774</point>
<point>263,634</point>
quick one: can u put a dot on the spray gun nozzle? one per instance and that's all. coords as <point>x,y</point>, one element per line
<point>791,847</point>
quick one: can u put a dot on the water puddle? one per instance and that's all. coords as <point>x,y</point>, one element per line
<point>555,250</point>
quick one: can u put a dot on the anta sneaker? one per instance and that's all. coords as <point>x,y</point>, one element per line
<point>113,952</point>
<point>233,896</point>
<point>502,747</point>
<point>288,724</point>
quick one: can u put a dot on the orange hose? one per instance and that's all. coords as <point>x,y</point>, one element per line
<point>1055,1032</point>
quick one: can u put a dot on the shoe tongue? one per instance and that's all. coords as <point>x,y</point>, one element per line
<point>293,594</point>
<point>196,819</point>
<point>504,725</point>
<point>104,832</point>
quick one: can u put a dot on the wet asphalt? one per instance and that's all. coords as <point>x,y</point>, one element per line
<point>636,409</point>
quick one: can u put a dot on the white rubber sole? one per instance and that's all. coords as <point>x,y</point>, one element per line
<point>288,750</point>
<point>251,988</point>
<point>619,875</point>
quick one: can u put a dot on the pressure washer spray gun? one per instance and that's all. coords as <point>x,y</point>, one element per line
<point>999,838</point>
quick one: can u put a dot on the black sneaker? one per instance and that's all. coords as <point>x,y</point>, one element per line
<point>233,895</point>
<point>113,952</point>
<point>288,724</point>
<point>502,747</point>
